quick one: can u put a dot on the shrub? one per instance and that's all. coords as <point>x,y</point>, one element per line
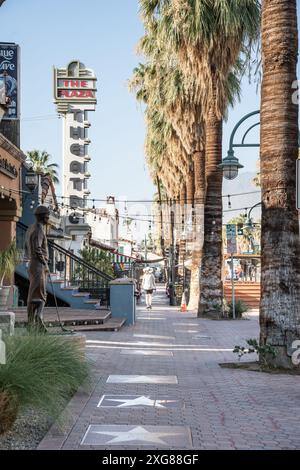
<point>240,308</point>
<point>9,258</point>
<point>42,372</point>
<point>254,347</point>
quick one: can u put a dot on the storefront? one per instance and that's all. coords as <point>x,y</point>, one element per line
<point>11,159</point>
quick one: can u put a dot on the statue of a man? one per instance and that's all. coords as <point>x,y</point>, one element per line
<point>36,247</point>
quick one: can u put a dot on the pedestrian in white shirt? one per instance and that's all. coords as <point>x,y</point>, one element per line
<point>149,286</point>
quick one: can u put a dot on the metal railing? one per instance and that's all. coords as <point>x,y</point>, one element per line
<point>68,267</point>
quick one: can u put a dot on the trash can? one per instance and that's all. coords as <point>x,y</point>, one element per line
<point>122,299</point>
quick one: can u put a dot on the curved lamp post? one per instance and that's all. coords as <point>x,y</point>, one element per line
<point>230,165</point>
<point>249,220</point>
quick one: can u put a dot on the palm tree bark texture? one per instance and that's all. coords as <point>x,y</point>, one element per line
<point>211,288</point>
<point>280,299</point>
<point>197,228</point>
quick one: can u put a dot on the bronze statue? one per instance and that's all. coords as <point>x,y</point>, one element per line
<point>36,247</point>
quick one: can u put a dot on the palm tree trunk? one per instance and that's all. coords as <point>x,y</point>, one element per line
<point>211,288</point>
<point>190,188</point>
<point>280,299</point>
<point>162,238</point>
<point>181,240</point>
<point>198,217</point>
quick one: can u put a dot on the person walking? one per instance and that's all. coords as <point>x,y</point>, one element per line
<point>149,286</point>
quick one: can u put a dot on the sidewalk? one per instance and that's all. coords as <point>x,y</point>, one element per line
<point>158,385</point>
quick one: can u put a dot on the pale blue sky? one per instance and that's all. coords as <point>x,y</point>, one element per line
<point>102,34</point>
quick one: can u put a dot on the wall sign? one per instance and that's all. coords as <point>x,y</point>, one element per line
<point>7,168</point>
<point>9,74</point>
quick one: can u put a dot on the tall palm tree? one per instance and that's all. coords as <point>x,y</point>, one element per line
<point>280,300</point>
<point>41,165</point>
<point>177,98</point>
<point>208,38</point>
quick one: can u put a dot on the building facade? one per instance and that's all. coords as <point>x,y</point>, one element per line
<point>11,160</point>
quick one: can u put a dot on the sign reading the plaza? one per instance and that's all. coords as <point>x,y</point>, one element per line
<point>75,84</point>
<point>9,78</point>
<point>231,238</point>
<point>7,168</point>
<point>76,89</point>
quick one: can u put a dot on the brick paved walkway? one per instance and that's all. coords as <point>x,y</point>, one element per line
<point>205,406</point>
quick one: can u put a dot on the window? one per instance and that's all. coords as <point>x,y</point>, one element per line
<point>76,201</point>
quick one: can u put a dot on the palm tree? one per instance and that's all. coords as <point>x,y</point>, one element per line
<point>165,89</point>
<point>208,38</point>
<point>280,300</point>
<point>41,165</point>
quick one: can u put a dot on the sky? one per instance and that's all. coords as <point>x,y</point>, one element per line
<point>103,35</point>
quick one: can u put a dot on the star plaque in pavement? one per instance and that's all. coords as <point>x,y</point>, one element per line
<point>142,379</point>
<point>133,401</point>
<point>164,436</point>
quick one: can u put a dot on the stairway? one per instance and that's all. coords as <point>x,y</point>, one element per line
<point>73,319</point>
<point>70,295</point>
<point>78,285</point>
<point>248,292</point>
<point>72,278</point>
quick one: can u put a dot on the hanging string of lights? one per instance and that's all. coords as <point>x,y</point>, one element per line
<point>167,201</point>
<point>125,201</point>
<point>149,218</point>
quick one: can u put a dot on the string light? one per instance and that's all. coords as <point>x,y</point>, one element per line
<point>163,200</point>
<point>229,202</point>
<point>167,201</point>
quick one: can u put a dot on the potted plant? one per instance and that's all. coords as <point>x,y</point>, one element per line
<point>9,258</point>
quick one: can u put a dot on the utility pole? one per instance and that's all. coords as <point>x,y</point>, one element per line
<point>231,249</point>
<point>232,290</point>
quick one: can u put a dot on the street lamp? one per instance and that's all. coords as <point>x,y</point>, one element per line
<point>230,166</point>
<point>249,223</point>
<point>31,180</point>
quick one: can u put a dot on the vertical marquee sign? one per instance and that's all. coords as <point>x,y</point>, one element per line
<point>9,77</point>
<point>75,95</point>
